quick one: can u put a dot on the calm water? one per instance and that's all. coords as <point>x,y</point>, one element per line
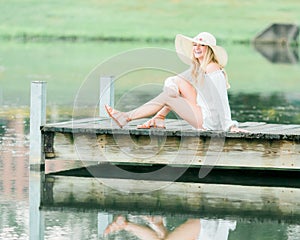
<point>262,90</point>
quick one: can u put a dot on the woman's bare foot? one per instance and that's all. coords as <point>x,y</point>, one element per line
<point>155,122</point>
<point>118,224</point>
<point>157,224</point>
<point>121,118</point>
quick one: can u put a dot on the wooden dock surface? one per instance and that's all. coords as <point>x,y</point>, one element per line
<point>267,146</point>
<point>258,130</point>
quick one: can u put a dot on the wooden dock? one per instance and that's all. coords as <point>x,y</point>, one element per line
<point>251,175</point>
<point>214,174</point>
<point>266,146</point>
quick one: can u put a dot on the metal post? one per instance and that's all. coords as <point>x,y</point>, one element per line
<point>37,119</point>
<point>106,94</point>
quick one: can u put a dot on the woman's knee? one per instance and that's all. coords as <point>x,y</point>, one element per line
<point>171,87</point>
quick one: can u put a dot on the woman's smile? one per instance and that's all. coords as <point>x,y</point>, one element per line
<point>199,50</point>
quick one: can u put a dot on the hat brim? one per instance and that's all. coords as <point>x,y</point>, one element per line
<point>184,49</point>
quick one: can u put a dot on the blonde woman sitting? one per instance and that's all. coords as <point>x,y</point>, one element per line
<point>198,95</point>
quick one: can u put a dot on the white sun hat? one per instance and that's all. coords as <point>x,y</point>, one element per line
<point>184,47</point>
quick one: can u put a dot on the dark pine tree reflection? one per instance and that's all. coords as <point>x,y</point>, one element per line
<point>273,108</point>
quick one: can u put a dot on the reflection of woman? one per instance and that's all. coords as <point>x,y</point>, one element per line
<point>198,95</point>
<point>192,229</point>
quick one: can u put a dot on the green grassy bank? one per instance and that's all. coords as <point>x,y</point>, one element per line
<point>155,20</point>
<point>65,66</point>
<point>59,42</point>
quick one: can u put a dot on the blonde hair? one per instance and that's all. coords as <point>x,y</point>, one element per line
<point>199,69</point>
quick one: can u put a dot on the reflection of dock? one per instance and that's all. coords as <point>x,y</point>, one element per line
<point>263,203</point>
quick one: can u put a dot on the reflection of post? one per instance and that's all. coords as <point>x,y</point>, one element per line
<point>104,219</point>
<point>106,94</point>
<point>36,218</point>
<point>37,118</point>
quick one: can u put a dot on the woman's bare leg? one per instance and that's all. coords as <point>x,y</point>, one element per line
<point>157,121</point>
<point>188,111</point>
<point>189,230</point>
<point>142,232</point>
<point>162,113</point>
<point>185,105</point>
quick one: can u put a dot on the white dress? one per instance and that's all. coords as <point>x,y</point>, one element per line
<point>215,229</point>
<point>212,97</point>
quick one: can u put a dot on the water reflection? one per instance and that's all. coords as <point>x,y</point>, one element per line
<point>14,146</point>
<point>155,228</point>
<point>14,184</point>
<point>273,108</point>
<point>278,53</point>
<point>66,224</point>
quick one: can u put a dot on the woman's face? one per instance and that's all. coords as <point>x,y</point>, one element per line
<point>199,50</point>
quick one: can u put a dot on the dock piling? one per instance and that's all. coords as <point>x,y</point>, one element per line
<point>106,94</point>
<point>37,119</point>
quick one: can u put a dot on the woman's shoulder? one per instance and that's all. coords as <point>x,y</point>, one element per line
<point>216,73</point>
<point>212,67</point>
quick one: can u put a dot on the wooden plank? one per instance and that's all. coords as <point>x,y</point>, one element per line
<point>273,128</point>
<point>251,124</point>
<point>219,200</point>
<point>266,146</point>
<point>71,122</point>
<point>177,128</point>
<point>293,130</point>
<point>179,151</point>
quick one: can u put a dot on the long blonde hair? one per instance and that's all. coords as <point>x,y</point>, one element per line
<point>199,69</point>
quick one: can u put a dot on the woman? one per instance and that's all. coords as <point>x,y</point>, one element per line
<point>198,95</point>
